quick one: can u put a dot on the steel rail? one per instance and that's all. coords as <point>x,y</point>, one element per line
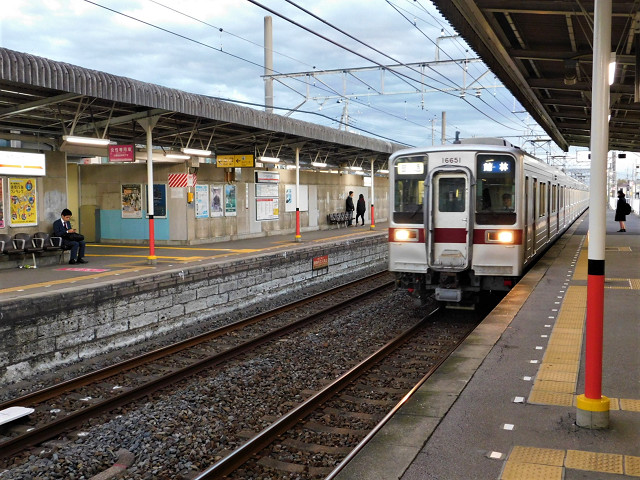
<point>101,374</point>
<point>246,451</point>
<point>38,435</point>
<point>393,411</point>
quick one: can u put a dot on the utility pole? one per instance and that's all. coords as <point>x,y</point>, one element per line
<point>268,65</point>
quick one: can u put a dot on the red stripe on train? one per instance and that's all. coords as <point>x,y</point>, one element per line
<point>450,235</point>
<point>459,235</point>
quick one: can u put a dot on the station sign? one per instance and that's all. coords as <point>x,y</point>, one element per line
<point>234,161</point>
<point>121,153</point>
<point>22,163</point>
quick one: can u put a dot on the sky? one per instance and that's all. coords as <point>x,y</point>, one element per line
<point>216,48</point>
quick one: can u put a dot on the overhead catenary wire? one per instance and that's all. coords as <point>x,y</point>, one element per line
<point>245,60</point>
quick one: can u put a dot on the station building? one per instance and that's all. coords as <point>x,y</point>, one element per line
<point>209,162</point>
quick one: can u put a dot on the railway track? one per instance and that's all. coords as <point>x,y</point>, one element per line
<point>318,436</point>
<point>65,406</point>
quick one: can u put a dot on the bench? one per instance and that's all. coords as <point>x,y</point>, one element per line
<point>339,218</point>
<point>23,244</point>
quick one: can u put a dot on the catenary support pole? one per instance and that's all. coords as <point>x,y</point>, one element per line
<point>592,406</point>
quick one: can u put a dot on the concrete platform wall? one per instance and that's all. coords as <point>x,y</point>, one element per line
<point>50,331</point>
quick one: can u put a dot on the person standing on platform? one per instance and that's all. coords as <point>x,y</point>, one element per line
<point>350,208</point>
<point>360,209</point>
<point>71,239</point>
<point>621,211</point>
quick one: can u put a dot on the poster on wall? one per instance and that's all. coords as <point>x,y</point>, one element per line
<point>290,198</point>
<point>202,201</point>
<point>217,197</point>
<point>1,203</point>
<point>230,200</point>
<point>131,200</point>
<point>23,200</point>
<point>159,200</point>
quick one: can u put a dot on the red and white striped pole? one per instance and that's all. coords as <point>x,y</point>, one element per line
<point>592,406</point>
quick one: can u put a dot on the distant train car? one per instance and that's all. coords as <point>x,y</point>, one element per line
<point>468,218</point>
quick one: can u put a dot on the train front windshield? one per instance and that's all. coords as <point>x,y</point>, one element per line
<point>495,200</point>
<point>410,173</point>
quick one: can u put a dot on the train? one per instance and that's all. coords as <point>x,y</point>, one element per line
<point>468,218</point>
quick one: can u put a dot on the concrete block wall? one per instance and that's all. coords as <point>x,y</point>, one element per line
<point>50,331</point>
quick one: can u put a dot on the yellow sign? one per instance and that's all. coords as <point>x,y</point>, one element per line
<point>234,161</point>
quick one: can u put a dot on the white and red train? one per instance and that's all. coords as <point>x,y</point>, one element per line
<point>468,218</point>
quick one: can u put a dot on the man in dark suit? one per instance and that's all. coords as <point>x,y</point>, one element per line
<point>350,208</point>
<point>62,228</point>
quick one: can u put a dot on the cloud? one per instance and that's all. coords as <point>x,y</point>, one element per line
<point>215,48</point>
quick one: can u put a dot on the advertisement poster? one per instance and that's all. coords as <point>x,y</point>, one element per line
<point>230,200</point>
<point>202,201</point>
<point>290,198</point>
<point>22,194</point>
<point>217,197</point>
<point>159,200</point>
<point>132,200</point>
<point>1,203</point>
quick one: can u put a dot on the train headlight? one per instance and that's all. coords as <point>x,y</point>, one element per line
<point>500,236</point>
<point>405,235</point>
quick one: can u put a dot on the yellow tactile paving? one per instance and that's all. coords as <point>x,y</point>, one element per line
<point>543,456</point>
<point>580,272</point>
<point>558,374</point>
<point>556,387</point>
<point>594,462</point>
<point>555,376</point>
<point>542,397</point>
<point>632,466</point>
<point>530,471</point>
<point>530,463</point>
<point>630,405</point>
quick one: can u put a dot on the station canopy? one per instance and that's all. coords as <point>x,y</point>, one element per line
<point>542,51</point>
<point>42,100</point>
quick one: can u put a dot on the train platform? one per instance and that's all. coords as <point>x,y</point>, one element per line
<point>504,406</point>
<point>116,262</point>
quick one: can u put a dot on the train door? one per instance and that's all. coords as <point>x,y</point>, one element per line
<point>448,246</point>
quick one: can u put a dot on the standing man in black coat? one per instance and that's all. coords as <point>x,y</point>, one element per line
<point>62,228</point>
<point>350,208</point>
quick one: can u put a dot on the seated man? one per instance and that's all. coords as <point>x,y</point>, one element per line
<point>71,239</point>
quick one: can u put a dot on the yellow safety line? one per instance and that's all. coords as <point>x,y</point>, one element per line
<point>69,280</point>
<point>233,250</point>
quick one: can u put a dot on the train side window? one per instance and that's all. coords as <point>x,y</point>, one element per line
<point>554,198</point>
<point>542,209</point>
<point>535,199</point>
